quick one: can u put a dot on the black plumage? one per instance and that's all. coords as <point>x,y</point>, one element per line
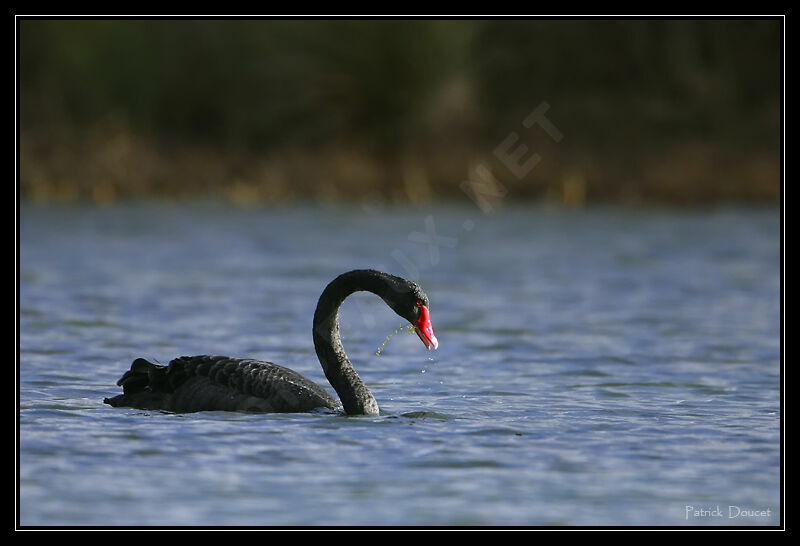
<point>201,383</point>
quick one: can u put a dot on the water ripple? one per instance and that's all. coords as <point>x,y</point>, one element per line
<point>595,367</point>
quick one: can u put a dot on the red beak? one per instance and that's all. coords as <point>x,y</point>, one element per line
<point>424,329</point>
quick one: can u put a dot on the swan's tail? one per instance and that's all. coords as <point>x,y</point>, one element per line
<point>145,382</point>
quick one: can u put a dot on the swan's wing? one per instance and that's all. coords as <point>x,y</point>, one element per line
<point>206,382</point>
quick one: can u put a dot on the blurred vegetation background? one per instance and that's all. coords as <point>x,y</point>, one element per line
<point>399,111</point>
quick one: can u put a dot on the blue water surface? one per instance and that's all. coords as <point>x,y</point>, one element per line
<point>596,366</point>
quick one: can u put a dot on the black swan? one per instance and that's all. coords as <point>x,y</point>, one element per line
<point>202,383</point>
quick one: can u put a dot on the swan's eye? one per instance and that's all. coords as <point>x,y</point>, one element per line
<point>418,304</point>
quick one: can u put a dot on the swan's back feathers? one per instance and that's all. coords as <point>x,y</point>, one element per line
<point>200,383</point>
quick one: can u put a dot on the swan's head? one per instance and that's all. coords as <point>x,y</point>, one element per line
<point>408,300</point>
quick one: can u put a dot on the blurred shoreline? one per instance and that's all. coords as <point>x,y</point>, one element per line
<point>662,111</point>
<point>107,166</point>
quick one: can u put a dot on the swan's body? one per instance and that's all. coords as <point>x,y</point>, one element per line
<point>199,383</point>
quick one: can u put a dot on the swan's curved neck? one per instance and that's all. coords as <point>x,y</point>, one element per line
<point>354,394</point>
